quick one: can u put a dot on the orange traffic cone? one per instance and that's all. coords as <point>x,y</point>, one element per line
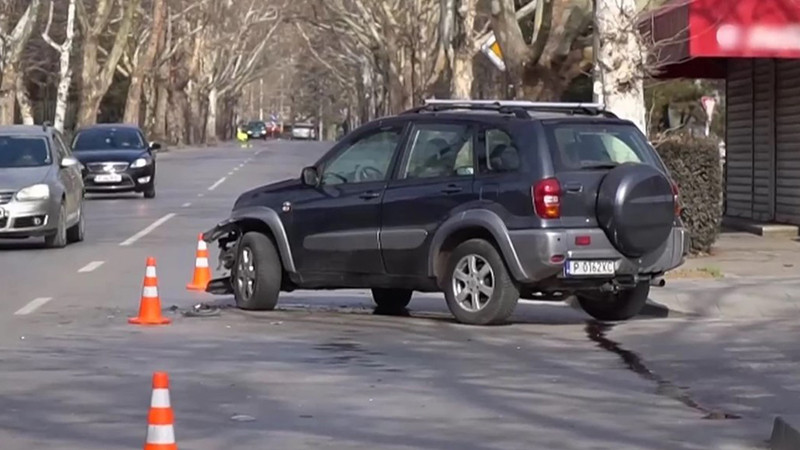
<point>150,305</point>
<point>202,272</point>
<point>161,419</point>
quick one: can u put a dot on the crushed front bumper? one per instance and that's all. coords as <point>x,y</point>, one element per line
<point>227,235</point>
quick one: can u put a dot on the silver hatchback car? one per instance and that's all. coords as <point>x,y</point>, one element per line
<point>41,187</point>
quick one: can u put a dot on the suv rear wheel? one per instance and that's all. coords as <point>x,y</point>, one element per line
<point>612,307</point>
<point>477,286</point>
<point>257,273</point>
<point>392,299</point>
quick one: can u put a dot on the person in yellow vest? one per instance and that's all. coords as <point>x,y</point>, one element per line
<point>242,137</point>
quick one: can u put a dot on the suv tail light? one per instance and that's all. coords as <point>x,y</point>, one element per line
<point>547,198</point>
<point>677,199</point>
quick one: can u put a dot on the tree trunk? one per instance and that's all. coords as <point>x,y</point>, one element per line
<point>150,98</point>
<point>160,120</point>
<point>621,60</point>
<point>195,119</point>
<point>24,101</point>
<point>462,77</point>
<point>211,117</point>
<point>8,101</point>
<point>145,66</point>
<point>176,117</point>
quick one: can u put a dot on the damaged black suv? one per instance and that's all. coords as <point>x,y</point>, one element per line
<point>486,201</point>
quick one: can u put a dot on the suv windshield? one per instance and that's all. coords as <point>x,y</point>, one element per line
<point>18,151</point>
<point>584,145</point>
<point>108,139</point>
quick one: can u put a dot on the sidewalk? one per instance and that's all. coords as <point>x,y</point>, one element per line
<point>742,255</point>
<point>746,276</point>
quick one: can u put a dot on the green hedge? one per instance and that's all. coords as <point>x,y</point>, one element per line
<point>696,167</point>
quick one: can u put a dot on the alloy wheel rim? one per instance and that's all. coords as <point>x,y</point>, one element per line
<point>473,283</point>
<point>245,274</point>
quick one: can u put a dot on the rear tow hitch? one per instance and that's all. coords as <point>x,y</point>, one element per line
<point>658,282</point>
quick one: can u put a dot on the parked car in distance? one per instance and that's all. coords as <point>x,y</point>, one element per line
<point>485,201</point>
<point>41,189</point>
<point>116,158</point>
<point>304,131</point>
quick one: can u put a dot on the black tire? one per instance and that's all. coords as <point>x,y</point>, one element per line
<point>150,192</point>
<point>265,273</point>
<point>77,232</point>
<point>614,307</point>
<point>498,306</point>
<point>392,299</point>
<point>58,239</point>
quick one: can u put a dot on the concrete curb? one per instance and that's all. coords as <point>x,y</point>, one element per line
<point>785,433</point>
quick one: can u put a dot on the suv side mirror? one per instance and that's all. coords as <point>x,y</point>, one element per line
<point>310,176</point>
<point>69,161</point>
<point>155,146</point>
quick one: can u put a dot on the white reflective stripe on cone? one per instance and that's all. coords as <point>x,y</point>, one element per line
<point>150,272</point>
<point>160,398</point>
<point>201,262</point>
<point>150,291</point>
<point>201,245</point>
<point>160,434</point>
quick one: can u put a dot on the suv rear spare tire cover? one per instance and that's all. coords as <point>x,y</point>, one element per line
<point>636,208</point>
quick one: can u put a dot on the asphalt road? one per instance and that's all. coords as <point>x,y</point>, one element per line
<point>325,371</point>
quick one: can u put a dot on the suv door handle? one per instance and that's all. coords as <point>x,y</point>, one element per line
<point>452,189</point>
<point>573,187</point>
<point>369,195</point>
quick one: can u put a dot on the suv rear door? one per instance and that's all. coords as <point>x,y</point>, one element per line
<point>434,177</point>
<point>583,153</point>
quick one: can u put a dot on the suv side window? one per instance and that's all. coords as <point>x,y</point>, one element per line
<point>499,154</point>
<point>439,150</point>
<point>367,159</point>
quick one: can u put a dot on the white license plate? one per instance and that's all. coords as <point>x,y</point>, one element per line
<point>112,178</point>
<point>589,267</point>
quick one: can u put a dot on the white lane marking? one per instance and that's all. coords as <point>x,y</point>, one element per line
<point>32,306</point>
<point>200,195</point>
<point>235,169</point>
<point>230,173</point>
<point>91,267</point>
<point>186,205</point>
<point>215,185</point>
<point>146,231</point>
<point>241,165</point>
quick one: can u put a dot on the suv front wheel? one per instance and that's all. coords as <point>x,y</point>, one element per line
<point>257,273</point>
<point>477,286</point>
<point>612,307</point>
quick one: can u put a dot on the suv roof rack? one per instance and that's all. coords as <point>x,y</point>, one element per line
<point>486,105</point>
<point>519,107</point>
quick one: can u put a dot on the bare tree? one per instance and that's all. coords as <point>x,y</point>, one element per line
<point>96,78</point>
<point>65,70</point>
<point>12,44</point>
<point>144,66</point>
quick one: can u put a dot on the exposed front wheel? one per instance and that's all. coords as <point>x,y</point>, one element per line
<point>392,299</point>
<point>76,232</point>
<point>478,287</point>
<point>257,273</point>
<point>58,238</point>
<point>150,192</point>
<point>612,307</point>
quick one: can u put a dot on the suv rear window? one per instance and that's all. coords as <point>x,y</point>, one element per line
<point>582,145</point>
